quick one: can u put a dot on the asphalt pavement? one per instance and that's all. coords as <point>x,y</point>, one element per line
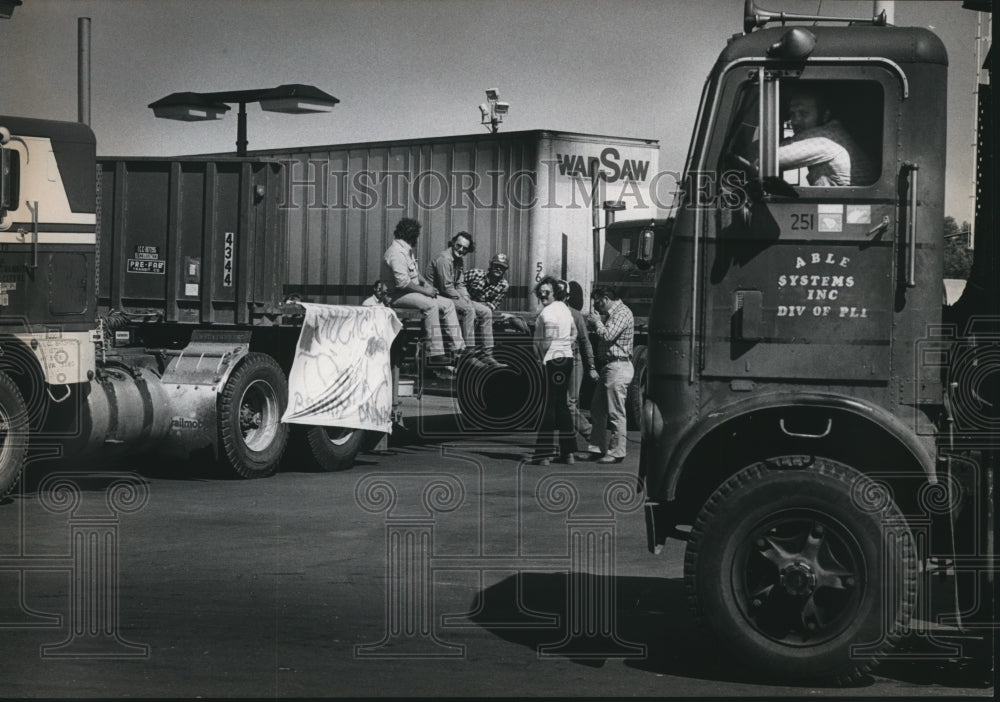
<point>445,566</point>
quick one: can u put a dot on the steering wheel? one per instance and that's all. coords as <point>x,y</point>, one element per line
<point>743,164</point>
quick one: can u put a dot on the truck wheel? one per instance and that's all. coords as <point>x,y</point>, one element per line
<point>250,409</point>
<point>633,400</point>
<point>13,434</point>
<point>335,448</point>
<point>804,568</point>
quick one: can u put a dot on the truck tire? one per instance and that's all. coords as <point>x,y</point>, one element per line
<point>804,568</point>
<point>335,448</point>
<point>633,399</point>
<point>250,406</point>
<point>13,434</point>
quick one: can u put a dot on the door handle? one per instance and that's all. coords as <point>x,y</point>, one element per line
<point>33,209</point>
<point>880,227</point>
<point>802,435</point>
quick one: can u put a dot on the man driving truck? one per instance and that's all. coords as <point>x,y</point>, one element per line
<point>822,145</point>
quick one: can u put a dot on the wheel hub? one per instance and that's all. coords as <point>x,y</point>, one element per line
<point>249,418</point>
<point>798,579</point>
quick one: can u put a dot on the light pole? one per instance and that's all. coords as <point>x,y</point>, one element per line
<point>493,111</point>
<point>200,107</point>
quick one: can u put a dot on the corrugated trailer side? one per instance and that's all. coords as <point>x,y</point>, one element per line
<point>516,192</point>
<point>190,240</point>
<point>342,203</point>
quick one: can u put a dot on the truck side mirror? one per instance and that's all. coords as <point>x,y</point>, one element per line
<point>644,254</point>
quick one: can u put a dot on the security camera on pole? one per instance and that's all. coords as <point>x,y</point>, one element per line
<point>493,111</point>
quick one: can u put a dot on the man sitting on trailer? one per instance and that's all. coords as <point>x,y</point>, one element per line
<point>822,145</point>
<point>448,275</point>
<point>410,290</point>
<point>490,287</point>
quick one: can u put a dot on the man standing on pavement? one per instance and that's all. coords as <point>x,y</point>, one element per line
<point>613,325</point>
<point>448,275</point>
<point>410,290</point>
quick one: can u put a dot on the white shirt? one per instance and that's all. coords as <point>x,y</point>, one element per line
<point>554,332</point>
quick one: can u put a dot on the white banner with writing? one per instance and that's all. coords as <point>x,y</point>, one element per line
<point>341,375</point>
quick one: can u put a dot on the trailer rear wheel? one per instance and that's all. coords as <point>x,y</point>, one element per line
<point>13,433</point>
<point>804,568</point>
<point>335,448</point>
<point>250,408</point>
<point>633,400</point>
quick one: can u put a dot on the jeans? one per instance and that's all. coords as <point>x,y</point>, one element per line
<point>436,310</point>
<point>475,314</point>
<point>556,419</point>
<point>608,407</point>
<point>580,423</point>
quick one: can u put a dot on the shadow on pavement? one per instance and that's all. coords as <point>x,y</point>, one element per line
<point>928,662</point>
<point>653,630</point>
<point>44,471</point>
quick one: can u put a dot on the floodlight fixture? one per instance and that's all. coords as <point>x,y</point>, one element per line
<point>297,99</point>
<point>292,98</point>
<point>188,107</point>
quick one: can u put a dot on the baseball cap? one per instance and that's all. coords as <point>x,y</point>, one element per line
<point>501,260</point>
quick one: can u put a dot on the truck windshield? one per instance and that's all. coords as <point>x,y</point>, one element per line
<point>744,131</point>
<point>620,250</point>
<point>9,179</point>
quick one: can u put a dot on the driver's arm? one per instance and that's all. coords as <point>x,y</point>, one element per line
<point>808,152</point>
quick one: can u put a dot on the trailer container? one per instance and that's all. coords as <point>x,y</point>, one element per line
<point>528,194</point>
<point>191,240</point>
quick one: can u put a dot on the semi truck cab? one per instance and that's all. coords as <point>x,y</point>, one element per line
<point>48,244</point>
<point>791,420</point>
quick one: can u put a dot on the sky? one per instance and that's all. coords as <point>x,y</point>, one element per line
<point>417,68</point>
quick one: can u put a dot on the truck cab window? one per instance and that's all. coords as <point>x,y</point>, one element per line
<point>831,133</point>
<point>741,144</point>
<point>10,167</point>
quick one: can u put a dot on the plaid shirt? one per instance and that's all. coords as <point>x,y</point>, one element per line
<point>491,294</point>
<point>830,154</point>
<point>616,333</point>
